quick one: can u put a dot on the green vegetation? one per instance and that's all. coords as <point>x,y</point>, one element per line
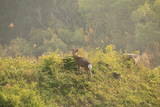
<point>33,27</point>
<point>37,70</point>
<point>53,80</point>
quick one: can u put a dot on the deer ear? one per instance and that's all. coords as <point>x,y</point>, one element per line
<point>73,50</point>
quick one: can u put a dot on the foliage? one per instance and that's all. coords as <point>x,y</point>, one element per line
<point>32,28</point>
<point>19,47</point>
<point>52,80</point>
<point>69,63</point>
<point>12,96</point>
<point>34,74</point>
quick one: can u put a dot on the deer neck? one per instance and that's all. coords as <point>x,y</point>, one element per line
<point>75,55</point>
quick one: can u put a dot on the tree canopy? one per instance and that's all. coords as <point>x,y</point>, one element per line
<point>63,24</point>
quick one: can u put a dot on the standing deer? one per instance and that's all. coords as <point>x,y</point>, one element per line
<point>143,59</point>
<point>82,62</point>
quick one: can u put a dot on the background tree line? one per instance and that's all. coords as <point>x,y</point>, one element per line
<point>32,27</point>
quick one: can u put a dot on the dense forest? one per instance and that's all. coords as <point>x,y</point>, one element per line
<point>37,68</point>
<point>33,27</point>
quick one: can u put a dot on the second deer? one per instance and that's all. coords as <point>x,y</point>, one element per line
<point>82,62</point>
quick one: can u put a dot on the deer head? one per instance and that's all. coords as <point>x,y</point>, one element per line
<point>74,52</point>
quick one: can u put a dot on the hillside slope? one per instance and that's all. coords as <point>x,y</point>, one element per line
<point>53,81</point>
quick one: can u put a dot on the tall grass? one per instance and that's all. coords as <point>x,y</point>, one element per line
<point>54,80</point>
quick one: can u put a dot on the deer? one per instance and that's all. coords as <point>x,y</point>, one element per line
<point>135,57</point>
<point>82,62</point>
<point>140,59</point>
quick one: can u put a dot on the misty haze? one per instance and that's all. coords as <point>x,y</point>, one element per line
<point>79,53</point>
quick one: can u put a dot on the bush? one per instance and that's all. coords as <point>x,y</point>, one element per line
<point>54,80</point>
<point>20,97</point>
<point>69,63</point>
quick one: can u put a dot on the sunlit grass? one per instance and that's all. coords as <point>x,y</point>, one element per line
<point>54,80</point>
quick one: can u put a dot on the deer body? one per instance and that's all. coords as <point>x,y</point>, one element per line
<point>82,62</point>
<point>135,57</point>
<point>140,59</point>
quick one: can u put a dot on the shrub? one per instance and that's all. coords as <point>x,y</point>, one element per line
<point>20,97</point>
<point>53,80</point>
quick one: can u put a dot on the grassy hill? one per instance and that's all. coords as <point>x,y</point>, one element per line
<point>53,80</point>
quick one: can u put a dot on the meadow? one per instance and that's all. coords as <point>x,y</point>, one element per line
<point>53,80</point>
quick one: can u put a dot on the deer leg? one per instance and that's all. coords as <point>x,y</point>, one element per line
<point>79,69</point>
<point>89,70</point>
<point>90,73</point>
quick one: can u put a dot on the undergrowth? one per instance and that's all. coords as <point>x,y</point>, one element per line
<point>54,80</point>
